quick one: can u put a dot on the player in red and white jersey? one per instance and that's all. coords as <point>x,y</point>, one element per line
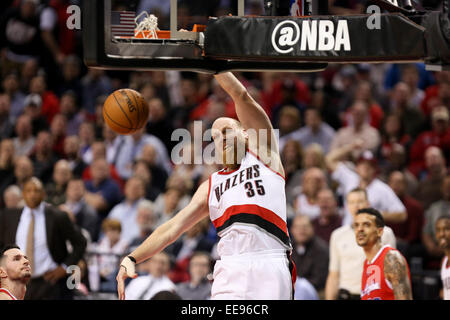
<point>247,204</point>
<point>443,238</point>
<point>386,273</point>
<point>15,273</point>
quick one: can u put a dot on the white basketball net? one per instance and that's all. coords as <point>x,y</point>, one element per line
<point>149,23</point>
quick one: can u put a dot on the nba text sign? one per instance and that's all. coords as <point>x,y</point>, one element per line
<point>344,38</point>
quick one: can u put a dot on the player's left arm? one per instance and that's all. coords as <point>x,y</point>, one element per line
<point>396,271</point>
<point>251,115</point>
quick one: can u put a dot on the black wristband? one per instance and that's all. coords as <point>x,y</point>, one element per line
<point>132,259</point>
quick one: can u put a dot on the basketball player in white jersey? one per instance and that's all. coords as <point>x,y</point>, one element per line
<point>247,204</point>
<point>15,273</point>
<point>443,238</point>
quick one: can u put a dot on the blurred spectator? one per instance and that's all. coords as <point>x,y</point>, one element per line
<point>304,290</point>
<point>393,132</point>
<point>359,129</point>
<point>7,164</point>
<point>43,157</point>
<point>94,84</point>
<point>314,131</point>
<point>71,70</point>
<point>313,180</point>
<point>438,93</point>
<point>329,218</point>
<point>436,210</point>
<point>50,102</point>
<point>72,155</point>
<point>363,93</point>
<point>32,108</point>
<point>69,107</point>
<point>20,35</point>
<point>198,287</point>
<point>132,148</point>
<point>346,257</point>
<point>288,122</point>
<point>24,141</point>
<point>103,193</point>
<point>11,87</point>
<point>126,211</point>
<point>412,119</point>
<point>6,121</point>
<point>86,133</point>
<point>30,69</point>
<point>429,189</point>
<point>12,197</point>
<point>195,239</point>
<point>380,195</point>
<point>408,233</point>
<point>141,170</point>
<point>291,157</point>
<point>167,204</point>
<point>394,74</point>
<point>310,253</point>
<point>56,189</point>
<point>146,286</point>
<point>159,124</point>
<point>396,161</point>
<point>146,220</point>
<point>23,170</point>
<point>58,129</point>
<point>109,251</point>
<point>439,136</point>
<point>410,76</point>
<point>85,215</point>
<point>98,151</point>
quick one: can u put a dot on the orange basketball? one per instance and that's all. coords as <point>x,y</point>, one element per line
<point>125,111</point>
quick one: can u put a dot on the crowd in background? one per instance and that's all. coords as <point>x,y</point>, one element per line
<point>387,123</point>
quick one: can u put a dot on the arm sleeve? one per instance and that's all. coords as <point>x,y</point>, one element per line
<point>392,203</point>
<point>347,178</point>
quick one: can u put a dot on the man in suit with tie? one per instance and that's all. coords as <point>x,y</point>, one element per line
<point>43,232</point>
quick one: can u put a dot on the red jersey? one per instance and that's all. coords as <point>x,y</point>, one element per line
<point>8,293</point>
<point>374,285</point>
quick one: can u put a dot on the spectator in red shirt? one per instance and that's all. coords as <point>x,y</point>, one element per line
<point>439,136</point>
<point>437,94</point>
<point>364,93</point>
<point>50,102</point>
<point>408,233</point>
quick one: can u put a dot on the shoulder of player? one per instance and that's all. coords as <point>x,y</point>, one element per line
<point>394,263</point>
<point>5,296</point>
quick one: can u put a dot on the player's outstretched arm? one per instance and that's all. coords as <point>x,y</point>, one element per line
<point>250,113</point>
<point>164,235</point>
<point>396,271</point>
<point>253,117</point>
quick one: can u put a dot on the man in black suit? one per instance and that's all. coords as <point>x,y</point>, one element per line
<point>43,230</point>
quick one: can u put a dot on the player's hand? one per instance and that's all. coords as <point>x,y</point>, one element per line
<point>127,270</point>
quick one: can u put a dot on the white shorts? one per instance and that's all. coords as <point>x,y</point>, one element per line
<point>253,276</point>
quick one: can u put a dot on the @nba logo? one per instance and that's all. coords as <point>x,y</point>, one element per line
<point>285,35</point>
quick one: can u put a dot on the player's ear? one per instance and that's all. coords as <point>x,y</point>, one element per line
<point>380,231</point>
<point>3,274</point>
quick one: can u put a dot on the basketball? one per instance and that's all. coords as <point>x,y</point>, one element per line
<point>125,111</point>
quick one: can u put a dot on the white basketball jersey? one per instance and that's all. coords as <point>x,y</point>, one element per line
<point>248,208</point>
<point>445,276</point>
